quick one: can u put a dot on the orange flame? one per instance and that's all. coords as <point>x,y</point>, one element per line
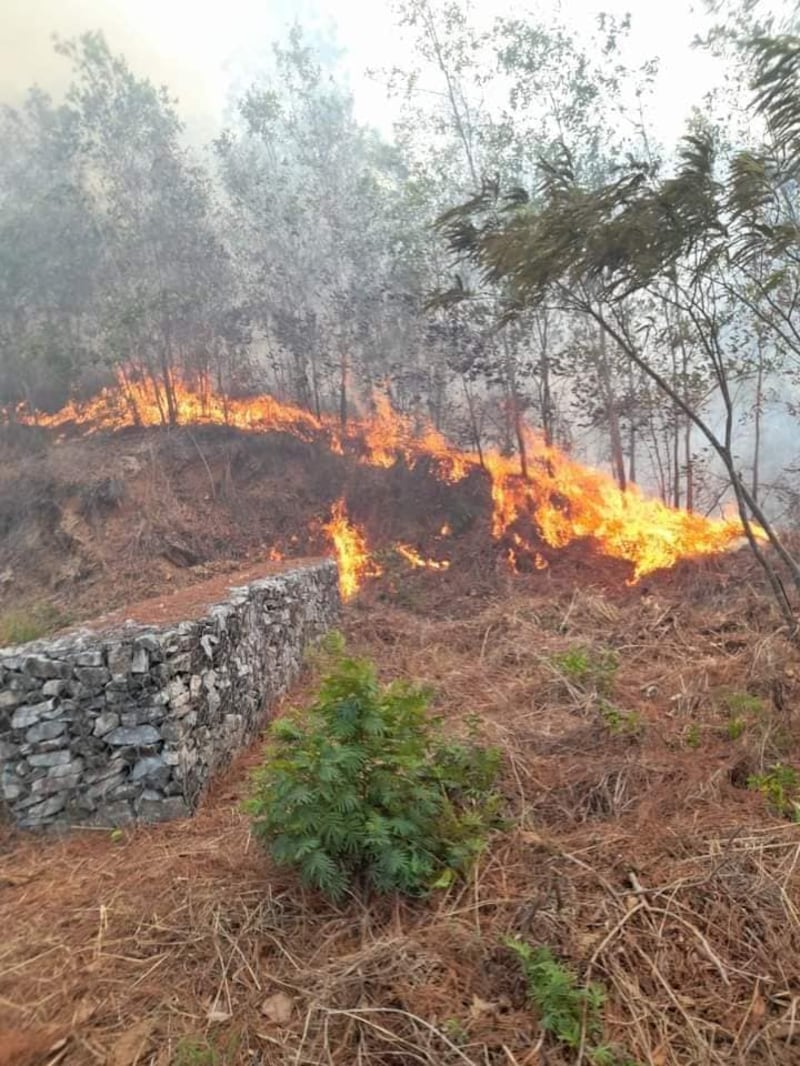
<point>416,560</point>
<point>352,553</point>
<point>389,435</point>
<point>567,502</point>
<point>560,502</point>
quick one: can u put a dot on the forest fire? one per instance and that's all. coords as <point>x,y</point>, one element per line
<point>560,501</point>
<point>413,558</point>
<point>352,553</point>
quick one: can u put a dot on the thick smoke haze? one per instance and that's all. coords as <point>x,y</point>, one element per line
<point>318,290</point>
<point>204,54</point>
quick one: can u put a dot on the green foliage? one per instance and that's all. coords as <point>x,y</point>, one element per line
<point>742,703</point>
<point>18,627</point>
<point>362,788</point>
<point>736,727</point>
<point>693,738</point>
<point>781,786</point>
<point>588,667</point>
<point>198,1051</point>
<point>455,1031</point>
<point>742,708</point>
<point>572,1014</point>
<point>618,722</point>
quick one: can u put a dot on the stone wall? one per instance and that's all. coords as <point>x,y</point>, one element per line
<point>108,726</point>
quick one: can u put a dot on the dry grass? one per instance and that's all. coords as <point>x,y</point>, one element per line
<point>635,855</point>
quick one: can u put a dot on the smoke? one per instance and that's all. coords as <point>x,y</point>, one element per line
<point>182,45</point>
<point>204,54</point>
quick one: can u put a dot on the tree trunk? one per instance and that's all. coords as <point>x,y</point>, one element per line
<point>343,371</point>
<point>612,414</point>
<point>546,398</point>
<point>473,419</point>
<point>757,423</point>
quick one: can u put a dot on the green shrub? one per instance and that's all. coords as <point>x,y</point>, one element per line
<point>198,1051</point>
<point>742,709</point>
<point>781,786</point>
<point>572,1014</point>
<point>742,703</point>
<point>693,736</point>
<point>18,627</point>
<point>588,668</point>
<point>363,789</point>
<point>736,727</point>
<point>618,722</point>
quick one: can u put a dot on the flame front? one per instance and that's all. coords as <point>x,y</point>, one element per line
<point>352,554</point>
<point>414,558</point>
<point>568,502</point>
<point>559,502</point>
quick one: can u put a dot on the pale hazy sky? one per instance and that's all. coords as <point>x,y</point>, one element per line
<point>197,48</point>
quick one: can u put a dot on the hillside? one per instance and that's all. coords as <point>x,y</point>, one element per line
<point>102,505</point>
<point>648,840</point>
<point>635,850</point>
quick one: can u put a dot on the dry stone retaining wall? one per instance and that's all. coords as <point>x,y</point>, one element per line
<point>108,727</point>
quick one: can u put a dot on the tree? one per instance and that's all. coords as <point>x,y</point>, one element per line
<point>48,251</point>
<point>688,240</point>
<point>162,269</point>
<point>298,171</point>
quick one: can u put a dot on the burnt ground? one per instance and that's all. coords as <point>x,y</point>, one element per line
<point>634,849</point>
<point>95,523</point>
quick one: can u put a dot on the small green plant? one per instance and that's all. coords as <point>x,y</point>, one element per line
<point>742,708</point>
<point>588,668</point>
<point>693,737</point>
<point>18,627</point>
<point>743,703</point>
<point>572,1014</point>
<point>195,1051</point>
<point>198,1051</point>
<point>575,663</point>
<point>781,786</point>
<point>363,789</point>
<point>618,722</point>
<point>454,1030</point>
<point>736,727</point>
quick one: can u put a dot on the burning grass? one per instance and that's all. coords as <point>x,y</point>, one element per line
<point>559,502</point>
<point>640,859</point>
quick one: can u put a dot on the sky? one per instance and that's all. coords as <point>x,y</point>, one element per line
<point>203,51</point>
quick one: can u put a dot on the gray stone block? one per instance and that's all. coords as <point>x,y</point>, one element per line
<point>93,678</point>
<point>140,661</point>
<point>45,731</point>
<point>143,736</point>
<point>55,687</point>
<point>51,758</point>
<point>43,667</point>
<point>40,812</point>
<point>105,722</point>
<point>9,699</point>
<point>30,714</point>
<point>155,808</point>
<point>67,770</point>
<point>90,657</point>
